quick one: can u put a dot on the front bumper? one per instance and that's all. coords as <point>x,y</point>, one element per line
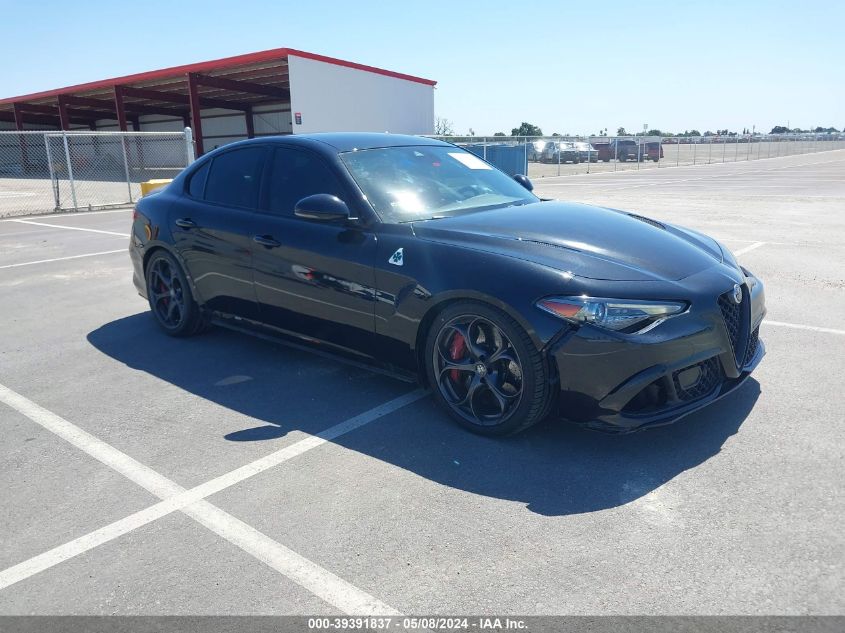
<point>620,383</point>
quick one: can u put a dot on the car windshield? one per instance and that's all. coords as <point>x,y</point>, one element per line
<point>426,182</point>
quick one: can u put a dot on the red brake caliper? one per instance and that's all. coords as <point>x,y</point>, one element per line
<point>456,352</point>
<point>161,289</point>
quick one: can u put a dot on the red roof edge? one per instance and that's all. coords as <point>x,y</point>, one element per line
<point>356,66</point>
<point>216,64</point>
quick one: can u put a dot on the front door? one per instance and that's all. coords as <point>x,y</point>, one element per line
<point>314,279</point>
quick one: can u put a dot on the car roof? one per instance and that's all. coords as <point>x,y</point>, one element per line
<point>348,141</point>
<point>335,142</point>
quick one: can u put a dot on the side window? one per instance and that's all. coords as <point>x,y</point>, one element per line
<point>295,174</point>
<point>196,185</point>
<point>234,178</point>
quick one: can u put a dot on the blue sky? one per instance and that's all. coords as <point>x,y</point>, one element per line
<point>570,67</point>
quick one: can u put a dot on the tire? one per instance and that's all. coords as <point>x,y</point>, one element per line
<point>495,398</point>
<point>622,158</point>
<point>169,294</point>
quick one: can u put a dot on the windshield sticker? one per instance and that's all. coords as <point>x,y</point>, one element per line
<point>469,160</point>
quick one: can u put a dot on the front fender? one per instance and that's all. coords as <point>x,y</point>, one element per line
<point>433,275</point>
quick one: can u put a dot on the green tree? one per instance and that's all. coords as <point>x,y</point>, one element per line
<point>499,134</point>
<point>526,129</point>
<point>779,129</point>
<point>621,132</point>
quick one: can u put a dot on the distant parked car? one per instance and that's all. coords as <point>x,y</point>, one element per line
<point>586,152</point>
<point>535,149</point>
<point>562,152</point>
<point>624,149</point>
<point>652,151</point>
<point>603,151</point>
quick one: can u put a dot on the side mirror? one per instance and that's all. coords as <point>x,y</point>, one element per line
<point>323,207</point>
<point>523,180</point>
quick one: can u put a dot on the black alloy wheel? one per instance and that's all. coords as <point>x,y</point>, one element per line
<point>170,297</point>
<point>486,372</point>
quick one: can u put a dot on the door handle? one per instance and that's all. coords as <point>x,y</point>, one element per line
<point>266,240</point>
<point>185,223</point>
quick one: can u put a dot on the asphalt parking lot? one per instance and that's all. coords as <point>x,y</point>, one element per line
<point>227,475</point>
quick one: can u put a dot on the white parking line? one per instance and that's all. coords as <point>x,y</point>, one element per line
<point>748,248</point>
<point>798,326</point>
<point>70,228</point>
<point>75,213</point>
<point>16,194</point>
<point>61,259</point>
<point>300,570</point>
<point>322,583</point>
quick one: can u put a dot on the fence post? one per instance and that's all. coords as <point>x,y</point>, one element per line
<point>615,152</point>
<point>126,167</point>
<point>694,148</point>
<point>639,151</point>
<point>524,152</point>
<point>189,145</point>
<point>70,171</point>
<point>54,183</point>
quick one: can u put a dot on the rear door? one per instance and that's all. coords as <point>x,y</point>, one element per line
<point>212,228</point>
<point>312,278</point>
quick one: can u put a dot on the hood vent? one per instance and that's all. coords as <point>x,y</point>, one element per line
<point>648,221</point>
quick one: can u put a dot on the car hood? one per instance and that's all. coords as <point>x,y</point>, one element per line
<point>586,241</point>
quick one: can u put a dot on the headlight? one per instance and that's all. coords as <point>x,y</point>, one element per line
<point>619,315</point>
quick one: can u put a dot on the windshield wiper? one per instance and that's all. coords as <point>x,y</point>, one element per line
<point>433,217</point>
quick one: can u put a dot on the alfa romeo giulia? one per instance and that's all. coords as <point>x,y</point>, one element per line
<point>419,257</point>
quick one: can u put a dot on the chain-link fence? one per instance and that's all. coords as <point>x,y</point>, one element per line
<point>41,172</point>
<point>540,157</point>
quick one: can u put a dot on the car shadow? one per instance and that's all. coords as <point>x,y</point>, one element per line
<point>553,468</point>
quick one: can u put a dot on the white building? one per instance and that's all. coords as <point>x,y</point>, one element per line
<point>280,91</point>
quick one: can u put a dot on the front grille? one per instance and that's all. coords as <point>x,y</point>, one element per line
<point>710,375</point>
<point>736,318</point>
<point>753,343</point>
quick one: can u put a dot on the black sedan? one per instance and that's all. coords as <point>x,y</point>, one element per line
<point>418,256</point>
